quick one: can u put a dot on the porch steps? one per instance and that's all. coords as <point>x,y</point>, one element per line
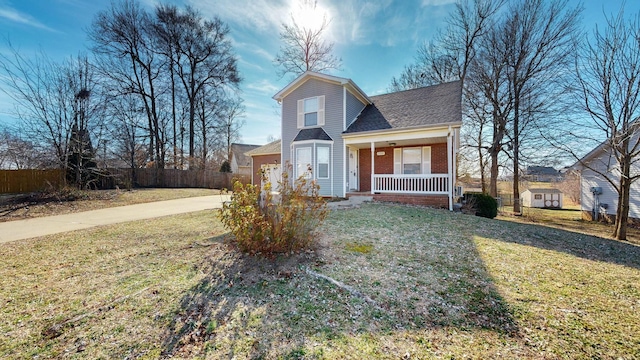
<point>351,202</point>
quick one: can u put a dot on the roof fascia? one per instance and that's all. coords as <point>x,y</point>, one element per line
<point>348,83</point>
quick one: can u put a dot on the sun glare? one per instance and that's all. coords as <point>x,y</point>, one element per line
<point>309,14</point>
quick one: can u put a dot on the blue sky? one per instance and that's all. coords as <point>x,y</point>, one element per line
<point>375,39</point>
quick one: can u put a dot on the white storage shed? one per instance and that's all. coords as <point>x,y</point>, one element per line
<point>542,198</point>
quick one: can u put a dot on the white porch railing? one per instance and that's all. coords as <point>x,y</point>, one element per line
<point>410,183</point>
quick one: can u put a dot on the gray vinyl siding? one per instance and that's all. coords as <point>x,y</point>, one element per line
<point>609,196</point>
<point>354,107</point>
<point>333,127</point>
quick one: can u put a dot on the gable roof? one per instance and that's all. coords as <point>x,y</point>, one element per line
<point>347,83</point>
<point>239,150</point>
<point>312,134</point>
<point>544,191</point>
<point>432,105</point>
<point>268,149</point>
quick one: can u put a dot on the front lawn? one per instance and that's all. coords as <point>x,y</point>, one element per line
<point>407,282</point>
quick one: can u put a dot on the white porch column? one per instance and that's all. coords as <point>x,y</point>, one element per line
<point>345,155</point>
<point>450,168</point>
<point>373,163</point>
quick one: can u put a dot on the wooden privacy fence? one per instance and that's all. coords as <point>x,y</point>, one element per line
<point>25,181</point>
<point>169,178</point>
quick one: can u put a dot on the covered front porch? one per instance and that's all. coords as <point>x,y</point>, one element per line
<point>415,167</point>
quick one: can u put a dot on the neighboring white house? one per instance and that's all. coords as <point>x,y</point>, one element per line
<point>599,196</point>
<point>240,162</point>
<point>542,198</point>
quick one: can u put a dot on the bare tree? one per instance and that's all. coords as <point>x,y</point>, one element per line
<point>304,48</point>
<point>51,99</point>
<point>539,39</point>
<point>203,56</point>
<point>122,39</point>
<point>451,57</point>
<point>17,153</point>
<point>608,73</point>
<point>229,123</point>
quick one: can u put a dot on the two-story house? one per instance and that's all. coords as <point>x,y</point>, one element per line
<point>400,146</point>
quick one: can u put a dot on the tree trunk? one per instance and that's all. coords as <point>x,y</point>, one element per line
<point>516,160</point>
<point>622,213</point>
<point>493,181</point>
<point>173,113</point>
<point>483,180</point>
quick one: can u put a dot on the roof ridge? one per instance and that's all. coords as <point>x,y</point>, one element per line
<point>418,88</point>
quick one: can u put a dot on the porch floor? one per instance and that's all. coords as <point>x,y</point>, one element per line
<point>438,201</point>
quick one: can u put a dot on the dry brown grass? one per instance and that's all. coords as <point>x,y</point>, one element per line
<point>569,218</point>
<point>440,285</point>
<point>70,200</point>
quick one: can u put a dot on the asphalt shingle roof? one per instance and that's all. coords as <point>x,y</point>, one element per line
<point>239,151</point>
<point>312,134</point>
<point>270,148</point>
<point>431,105</point>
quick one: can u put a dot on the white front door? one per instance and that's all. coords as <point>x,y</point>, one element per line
<point>353,169</point>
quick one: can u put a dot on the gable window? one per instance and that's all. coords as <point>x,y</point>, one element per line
<point>303,162</point>
<point>323,162</point>
<point>311,112</point>
<point>412,160</point>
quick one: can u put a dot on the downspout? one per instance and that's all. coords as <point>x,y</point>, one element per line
<point>450,168</point>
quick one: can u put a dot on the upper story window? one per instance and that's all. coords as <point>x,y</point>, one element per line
<point>311,112</point>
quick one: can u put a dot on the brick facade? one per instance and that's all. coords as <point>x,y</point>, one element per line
<point>436,201</point>
<point>258,161</point>
<point>384,163</point>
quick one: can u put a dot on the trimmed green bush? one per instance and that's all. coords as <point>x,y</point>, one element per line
<point>485,205</point>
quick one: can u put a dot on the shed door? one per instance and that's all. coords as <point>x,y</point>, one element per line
<point>551,200</point>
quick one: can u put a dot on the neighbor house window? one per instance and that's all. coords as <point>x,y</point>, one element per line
<point>303,162</point>
<point>323,162</point>
<point>412,160</point>
<point>537,197</point>
<point>311,111</point>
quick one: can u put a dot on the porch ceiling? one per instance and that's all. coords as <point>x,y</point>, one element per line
<point>400,143</point>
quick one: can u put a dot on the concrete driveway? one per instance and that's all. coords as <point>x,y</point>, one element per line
<point>30,228</point>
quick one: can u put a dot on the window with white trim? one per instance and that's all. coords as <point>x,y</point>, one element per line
<point>323,156</point>
<point>412,160</point>
<point>303,162</point>
<point>311,112</point>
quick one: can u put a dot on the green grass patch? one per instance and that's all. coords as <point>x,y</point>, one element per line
<point>358,247</point>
